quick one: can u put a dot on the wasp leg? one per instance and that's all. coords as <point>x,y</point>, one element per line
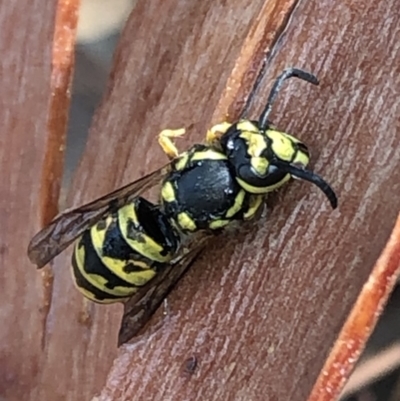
<point>215,132</point>
<point>167,144</point>
<point>254,208</point>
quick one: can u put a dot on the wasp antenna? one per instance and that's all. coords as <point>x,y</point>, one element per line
<point>309,176</point>
<point>286,74</point>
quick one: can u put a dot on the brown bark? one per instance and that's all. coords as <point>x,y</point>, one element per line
<point>34,102</point>
<point>360,323</point>
<point>260,310</point>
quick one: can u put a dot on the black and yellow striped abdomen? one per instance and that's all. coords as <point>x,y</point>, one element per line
<point>123,252</point>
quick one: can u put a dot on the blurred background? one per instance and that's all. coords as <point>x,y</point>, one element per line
<point>100,22</point>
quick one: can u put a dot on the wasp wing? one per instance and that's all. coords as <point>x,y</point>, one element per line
<point>70,224</point>
<point>142,305</point>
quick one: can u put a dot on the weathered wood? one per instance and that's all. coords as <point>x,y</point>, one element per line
<point>34,102</point>
<point>261,313</point>
<point>360,322</point>
<point>260,310</point>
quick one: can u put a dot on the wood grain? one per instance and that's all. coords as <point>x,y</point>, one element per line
<point>34,102</point>
<point>360,322</point>
<point>260,310</point>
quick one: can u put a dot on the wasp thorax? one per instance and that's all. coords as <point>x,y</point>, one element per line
<point>201,193</point>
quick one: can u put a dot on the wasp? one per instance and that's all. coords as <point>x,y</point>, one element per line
<point>131,250</point>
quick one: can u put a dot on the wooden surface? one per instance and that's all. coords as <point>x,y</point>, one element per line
<point>260,310</point>
<point>33,106</point>
<point>359,326</point>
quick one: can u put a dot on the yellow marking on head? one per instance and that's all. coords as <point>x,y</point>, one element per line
<point>236,205</point>
<point>254,204</point>
<point>186,222</point>
<point>141,242</point>
<point>256,143</point>
<point>214,225</point>
<point>215,132</point>
<point>262,190</point>
<point>168,192</point>
<point>298,156</point>
<point>208,154</point>
<point>260,165</point>
<point>281,145</point>
<point>301,159</point>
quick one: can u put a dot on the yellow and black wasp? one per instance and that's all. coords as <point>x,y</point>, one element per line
<point>129,249</point>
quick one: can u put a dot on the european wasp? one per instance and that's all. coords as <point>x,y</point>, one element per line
<point>128,248</point>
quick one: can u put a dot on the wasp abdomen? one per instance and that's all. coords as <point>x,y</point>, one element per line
<point>123,252</point>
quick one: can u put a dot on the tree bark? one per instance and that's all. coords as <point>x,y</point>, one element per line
<point>36,44</point>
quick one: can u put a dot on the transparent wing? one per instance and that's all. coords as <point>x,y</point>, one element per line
<point>142,305</point>
<point>70,224</point>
